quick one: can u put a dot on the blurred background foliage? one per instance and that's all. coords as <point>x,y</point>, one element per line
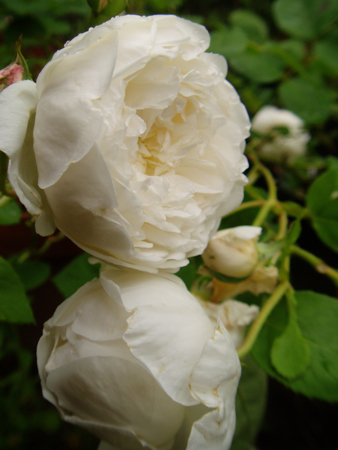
<point>282,53</point>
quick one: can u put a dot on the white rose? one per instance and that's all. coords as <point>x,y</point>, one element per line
<point>268,120</point>
<point>134,358</point>
<point>131,142</point>
<point>233,251</point>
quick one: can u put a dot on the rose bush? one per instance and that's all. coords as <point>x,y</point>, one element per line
<point>287,138</point>
<point>130,142</point>
<point>134,358</point>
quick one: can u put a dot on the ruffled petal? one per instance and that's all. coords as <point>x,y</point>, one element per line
<point>92,201</point>
<point>104,394</point>
<point>214,382</point>
<point>167,329</point>
<point>66,89</point>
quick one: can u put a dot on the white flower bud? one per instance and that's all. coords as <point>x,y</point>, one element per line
<point>269,121</point>
<point>10,75</point>
<point>233,252</point>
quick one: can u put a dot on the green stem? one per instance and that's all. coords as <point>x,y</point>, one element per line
<point>4,200</point>
<point>272,197</point>
<point>256,327</point>
<point>3,171</point>
<point>247,205</point>
<point>42,250</point>
<point>316,262</point>
<point>283,225</point>
<point>253,175</point>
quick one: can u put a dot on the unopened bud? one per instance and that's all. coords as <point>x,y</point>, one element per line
<point>10,75</point>
<point>97,5</point>
<point>232,252</point>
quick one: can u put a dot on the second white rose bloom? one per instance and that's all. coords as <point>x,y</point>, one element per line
<point>134,358</point>
<point>273,122</point>
<point>131,142</point>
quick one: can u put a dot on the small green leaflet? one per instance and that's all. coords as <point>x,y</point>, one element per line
<point>33,273</point>
<point>189,273</point>
<point>322,200</point>
<point>14,305</point>
<point>10,214</point>
<point>250,404</point>
<point>317,319</point>
<point>311,101</point>
<point>228,42</point>
<point>75,274</point>
<point>253,25</point>
<point>290,354</point>
<point>303,18</point>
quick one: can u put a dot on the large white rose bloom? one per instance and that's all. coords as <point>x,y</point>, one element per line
<point>130,142</point>
<point>134,358</point>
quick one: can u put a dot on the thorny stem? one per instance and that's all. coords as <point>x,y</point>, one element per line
<point>316,262</point>
<point>256,327</point>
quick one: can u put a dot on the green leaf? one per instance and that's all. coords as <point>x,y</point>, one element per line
<point>250,405</point>
<point>305,19</point>
<point>33,273</point>
<point>76,274</point>
<point>317,319</point>
<point>189,273</point>
<point>14,305</point>
<point>293,47</point>
<point>290,354</point>
<point>261,67</point>
<point>10,214</point>
<point>332,163</point>
<point>310,101</point>
<point>326,51</point>
<point>228,42</point>
<point>254,27</point>
<point>322,200</point>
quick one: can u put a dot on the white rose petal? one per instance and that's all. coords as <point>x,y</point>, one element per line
<point>133,142</point>
<point>136,360</point>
